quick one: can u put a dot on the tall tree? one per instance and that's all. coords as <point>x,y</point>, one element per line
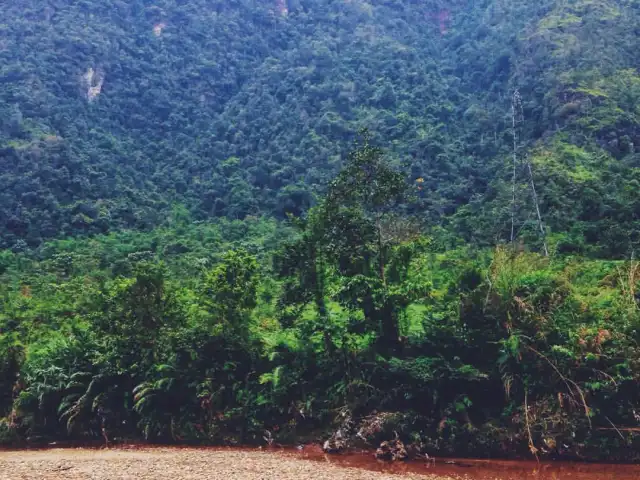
<point>357,233</point>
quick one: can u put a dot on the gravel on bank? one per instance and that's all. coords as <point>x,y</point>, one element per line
<point>176,464</point>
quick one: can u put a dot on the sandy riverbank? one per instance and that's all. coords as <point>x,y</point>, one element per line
<point>176,464</point>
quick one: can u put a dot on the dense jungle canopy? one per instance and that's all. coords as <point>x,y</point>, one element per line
<point>246,220</point>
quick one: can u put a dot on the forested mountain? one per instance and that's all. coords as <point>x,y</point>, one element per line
<point>112,111</point>
<point>343,221</point>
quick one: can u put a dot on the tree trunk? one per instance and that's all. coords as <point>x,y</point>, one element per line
<point>319,300</point>
<point>381,262</point>
<point>390,334</point>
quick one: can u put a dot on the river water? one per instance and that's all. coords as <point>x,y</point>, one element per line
<point>483,469</point>
<point>456,468</point>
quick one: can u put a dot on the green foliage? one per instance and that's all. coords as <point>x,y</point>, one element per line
<point>173,357</point>
<point>242,111</point>
<point>230,289</point>
<point>150,286</point>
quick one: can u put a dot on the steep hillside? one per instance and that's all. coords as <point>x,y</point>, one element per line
<point>112,111</point>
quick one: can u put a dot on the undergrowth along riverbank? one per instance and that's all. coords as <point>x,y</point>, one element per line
<point>352,322</point>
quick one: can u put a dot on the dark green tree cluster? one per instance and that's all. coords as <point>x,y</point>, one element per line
<point>111,112</point>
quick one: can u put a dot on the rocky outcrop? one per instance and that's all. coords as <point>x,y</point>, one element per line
<point>282,7</point>
<point>392,450</point>
<point>93,81</point>
<point>337,443</point>
<point>158,28</point>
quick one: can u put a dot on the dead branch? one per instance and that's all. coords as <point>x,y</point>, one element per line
<point>566,381</point>
<point>532,447</point>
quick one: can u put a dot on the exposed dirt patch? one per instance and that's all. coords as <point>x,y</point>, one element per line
<point>176,464</point>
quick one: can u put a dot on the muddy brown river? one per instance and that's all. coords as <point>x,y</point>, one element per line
<point>487,469</point>
<point>155,463</point>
